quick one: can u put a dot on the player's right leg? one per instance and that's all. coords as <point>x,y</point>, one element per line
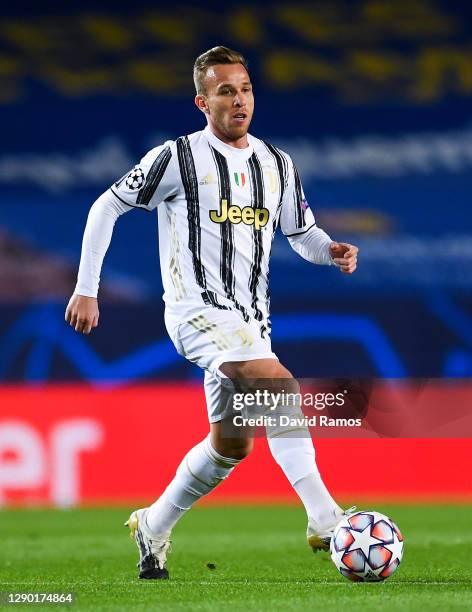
<point>206,340</point>
<point>200,471</point>
<point>152,547</point>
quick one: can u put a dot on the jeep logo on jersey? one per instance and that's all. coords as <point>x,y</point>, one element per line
<point>234,214</point>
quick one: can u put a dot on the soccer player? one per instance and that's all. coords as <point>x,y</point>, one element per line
<point>220,195</point>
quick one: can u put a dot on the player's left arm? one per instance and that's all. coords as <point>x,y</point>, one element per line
<point>305,237</point>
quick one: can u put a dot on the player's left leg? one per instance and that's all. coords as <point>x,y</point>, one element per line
<point>293,450</point>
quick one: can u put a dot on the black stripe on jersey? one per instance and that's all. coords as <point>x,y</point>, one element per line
<point>226,228</point>
<point>154,177</point>
<point>210,299</point>
<point>148,210</point>
<point>299,210</point>
<point>227,251</point>
<point>241,309</point>
<point>257,201</point>
<point>304,231</point>
<point>190,183</point>
<point>265,329</point>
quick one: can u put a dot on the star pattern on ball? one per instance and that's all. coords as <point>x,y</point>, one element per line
<point>363,540</point>
<point>366,546</point>
<point>135,179</point>
<point>396,548</point>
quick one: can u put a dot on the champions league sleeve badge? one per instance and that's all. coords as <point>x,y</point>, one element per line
<point>135,179</point>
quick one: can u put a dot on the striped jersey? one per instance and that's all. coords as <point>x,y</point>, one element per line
<point>218,210</point>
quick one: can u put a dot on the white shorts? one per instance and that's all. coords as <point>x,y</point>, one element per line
<point>214,336</point>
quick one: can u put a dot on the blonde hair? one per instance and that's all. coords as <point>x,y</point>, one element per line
<point>212,57</point>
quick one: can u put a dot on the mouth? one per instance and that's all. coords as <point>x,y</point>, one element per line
<point>240,117</point>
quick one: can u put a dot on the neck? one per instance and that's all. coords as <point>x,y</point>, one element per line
<point>240,143</point>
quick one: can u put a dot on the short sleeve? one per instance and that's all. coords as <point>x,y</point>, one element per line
<point>153,180</point>
<point>296,216</point>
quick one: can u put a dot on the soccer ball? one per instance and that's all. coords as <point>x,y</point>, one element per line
<point>135,179</point>
<point>366,547</point>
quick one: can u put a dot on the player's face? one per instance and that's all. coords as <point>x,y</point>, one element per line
<point>228,101</point>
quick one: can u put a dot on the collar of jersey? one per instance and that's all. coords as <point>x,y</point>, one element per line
<point>227,149</point>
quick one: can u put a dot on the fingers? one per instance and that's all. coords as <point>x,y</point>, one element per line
<point>346,269</point>
<point>81,324</point>
<point>351,252</point>
<point>82,313</point>
<point>87,327</point>
<point>348,262</point>
<point>348,266</point>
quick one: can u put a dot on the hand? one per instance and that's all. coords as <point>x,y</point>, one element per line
<point>344,256</point>
<point>82,313</point>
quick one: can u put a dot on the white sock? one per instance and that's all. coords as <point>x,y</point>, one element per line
<point>201,470</point>
<point>296,457</point>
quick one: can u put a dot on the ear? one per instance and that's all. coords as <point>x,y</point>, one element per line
<point>201,104</point>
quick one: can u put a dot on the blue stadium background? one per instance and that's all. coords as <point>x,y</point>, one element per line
<point>372,100</point>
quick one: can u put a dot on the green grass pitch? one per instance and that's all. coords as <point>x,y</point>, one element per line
<point>261,558</point>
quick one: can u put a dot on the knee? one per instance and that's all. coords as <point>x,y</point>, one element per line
<point>240,450</point>
<point>234,448</point>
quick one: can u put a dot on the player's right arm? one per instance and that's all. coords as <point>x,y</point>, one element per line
<point>82,311</point>
<point>151,181</point>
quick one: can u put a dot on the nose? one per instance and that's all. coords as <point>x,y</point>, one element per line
<point>239,99</point>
